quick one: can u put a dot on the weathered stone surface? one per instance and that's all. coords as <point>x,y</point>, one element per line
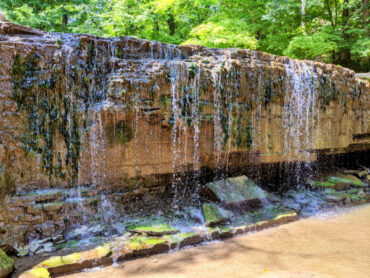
<point>135,75</point>
<point>184,239</point>
<point>77,261</point>
<point>155,230</point>
<point>204,109</point>
<point>214,215</point>
<point>339,182</point>
<point>127,248</point>
<point>39,272</point>
<point>281,218</point>
<point>236,192</point>
<point>6,264</point>
<point>139,246</point>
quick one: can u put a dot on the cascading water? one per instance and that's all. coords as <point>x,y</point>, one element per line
<point>137,130</point>
<point>300,111</point>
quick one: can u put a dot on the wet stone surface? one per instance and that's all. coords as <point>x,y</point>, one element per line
<point>236,193</point>
<point>143,236</point>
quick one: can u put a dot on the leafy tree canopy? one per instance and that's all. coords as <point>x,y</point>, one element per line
<point>334,31</point>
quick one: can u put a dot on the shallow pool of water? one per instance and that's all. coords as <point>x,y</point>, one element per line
<point>334,244</point>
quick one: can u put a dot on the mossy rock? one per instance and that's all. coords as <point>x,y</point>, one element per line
<point>142,246</point>
<point>214,215</point>
<point>39,272</point>
<point>236,193</point>
<point>6,264</point>
<point>59,265</point>
<point>155,230</point>
<point>183,239</point>
<point>331,195</point>
<point>339,182</point>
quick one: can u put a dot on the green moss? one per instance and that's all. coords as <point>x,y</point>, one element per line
<point>193,69</point>
<point>51,262</point>
<point>39,272</point>
<point>102,251</point>
<point>71,258</point>
<point>244,134</point>
<point>7,182</point>
<point>121,133</point>
<point>160,228</point>
<point>6,264</point>
<point>333,181</point>
<point>213,215</point>
<point>164,101</point>
<point>237,189</point>
<point>176,239</point>
<point>72,244</point>
<point>141,242</point>
<point>326,184</point>
<point>48,110</point>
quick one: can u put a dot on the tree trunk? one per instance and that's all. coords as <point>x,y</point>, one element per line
<point>65,18</point>
<point>171,24</point>
<point>365,15</point>
<point>345,54</point>
<point>303,10</point>
<point>64,21</point>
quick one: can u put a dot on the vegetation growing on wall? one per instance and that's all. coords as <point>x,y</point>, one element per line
<point>48,110</point>
<point>120,133</point>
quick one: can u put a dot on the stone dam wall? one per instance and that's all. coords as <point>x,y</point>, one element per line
<point>79,109</point>
<point>139,118</point>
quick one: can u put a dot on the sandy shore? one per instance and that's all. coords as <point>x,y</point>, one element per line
<point>334,245</point>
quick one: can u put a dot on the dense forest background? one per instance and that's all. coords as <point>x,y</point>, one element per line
<point>333,31</point>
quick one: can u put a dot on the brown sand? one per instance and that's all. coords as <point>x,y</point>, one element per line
<point>324,246</point>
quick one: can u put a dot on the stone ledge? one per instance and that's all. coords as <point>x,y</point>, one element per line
<point>124,248</point>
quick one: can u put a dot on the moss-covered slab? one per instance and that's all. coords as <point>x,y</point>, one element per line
<point>339,182</point>
<point>266,218</point>
<point>6,264</point>
<point>184,239</point>
<point>236,193</point>
<point>39,272</point>
<point>331,195</point>
<point>155,230</point>
<point>77,261</point>
<point>139,246</point>
<point>214,215</point>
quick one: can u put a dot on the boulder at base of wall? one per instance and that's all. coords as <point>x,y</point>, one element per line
<point>6,264</point>
<point>236,193</point>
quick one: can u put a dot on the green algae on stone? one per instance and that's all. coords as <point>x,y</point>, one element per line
<point>184,239</point>
<point>142,246</point>
<point>236,192</point>
<point>39,272</point>
<point>51,262</point>
<point>262,215</point>
<point>155,230</point>
<point>214,215</point>
<point>120,133</point>
<point>176,239</point>
<point>142,242</point>
<point>77,261</point>
<point>339,182</point>
<point>6,264</point>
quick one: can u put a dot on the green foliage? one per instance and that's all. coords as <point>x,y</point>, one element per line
<point>320,44</point>
<point>332,31</point>
<point>222,34</point>
<point>121,133</point>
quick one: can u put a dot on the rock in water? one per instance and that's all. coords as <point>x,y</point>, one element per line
<point>155,230</point>
<point>236,193</point>
<point>6,264</point>
<point>214,215</point>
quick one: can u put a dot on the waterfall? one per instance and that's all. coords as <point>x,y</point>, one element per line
<point>300,111</point>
